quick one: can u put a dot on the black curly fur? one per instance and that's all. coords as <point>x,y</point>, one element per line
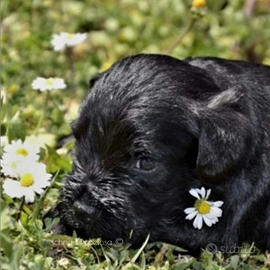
<point>202,121</point>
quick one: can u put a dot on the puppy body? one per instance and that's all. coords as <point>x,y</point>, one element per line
<point>152,128</point>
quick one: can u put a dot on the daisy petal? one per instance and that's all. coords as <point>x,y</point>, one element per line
<point>216,211</point>
<point>194,193</point>
<point>12,188</point>
<point>197,221</point>
<point>215,220</point>
<point>189,210</point>
<point>191,215</point>
<point>211,216</point>
<point>203,192</point>
<point>208,193</point>
<point>29,195</point>
<point>36,189</point>
<point>218,203</point>
<point>207,221</point>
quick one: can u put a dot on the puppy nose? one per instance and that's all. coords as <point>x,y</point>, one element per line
<point>83,212</point>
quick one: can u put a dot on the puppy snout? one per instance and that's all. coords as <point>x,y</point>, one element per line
<point>84,212</point>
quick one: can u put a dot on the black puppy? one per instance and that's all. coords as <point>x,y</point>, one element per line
<point>153,128</point>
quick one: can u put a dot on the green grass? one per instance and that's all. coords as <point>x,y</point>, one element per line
<point>27,245</point>
<point>115,29</point>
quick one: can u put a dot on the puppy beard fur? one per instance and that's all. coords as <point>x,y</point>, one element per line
<point>129,210</point>
<point>108,219</point>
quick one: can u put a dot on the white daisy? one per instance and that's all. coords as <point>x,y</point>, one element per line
<point>63,40</point>
<point>9,164</point>
<point>21,150</point>
<point>203,210</point>
<point>44,84</point>
<point>31,178</point>
<point>16,152</point>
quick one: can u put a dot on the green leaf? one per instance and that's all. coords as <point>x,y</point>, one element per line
<point>6,244</point>
<point>24,219</point>
<point>5,222</point>
<point>64,164</point>
<point>234,261</point>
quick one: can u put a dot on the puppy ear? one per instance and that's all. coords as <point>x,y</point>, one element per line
<point>225,142</point>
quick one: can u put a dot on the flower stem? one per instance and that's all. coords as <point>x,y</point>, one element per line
<point>20,208</point>
<point>41,200</point>
<point>42,114</point>
<point>70,57</point>
<point>179,40</point>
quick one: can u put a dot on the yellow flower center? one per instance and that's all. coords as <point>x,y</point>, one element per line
<point>27,180</point>
<point>22,152</point>
<point>199,3</point>
<point>202,207</point>
<point>70,36</point>
<point>49,82</point>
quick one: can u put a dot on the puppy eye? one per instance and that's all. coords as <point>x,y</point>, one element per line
<point>146,164</point>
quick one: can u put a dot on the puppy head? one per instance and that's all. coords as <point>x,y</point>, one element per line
<point>143,136</point>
